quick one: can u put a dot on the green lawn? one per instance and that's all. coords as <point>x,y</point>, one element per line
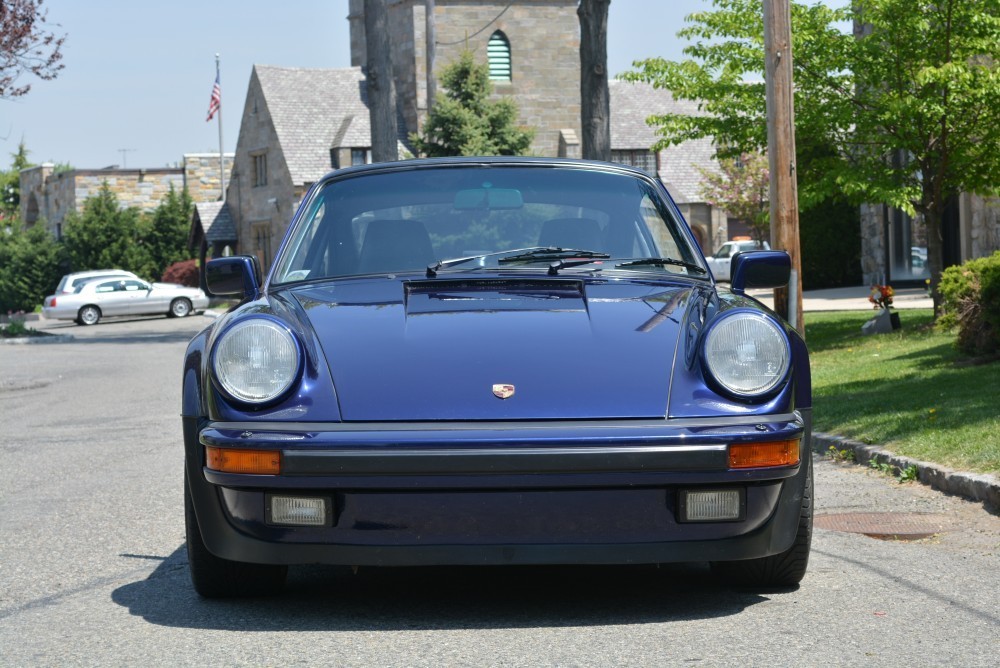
<point>907,390</point>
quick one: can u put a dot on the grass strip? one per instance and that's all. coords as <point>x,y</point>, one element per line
<point>910,391</point>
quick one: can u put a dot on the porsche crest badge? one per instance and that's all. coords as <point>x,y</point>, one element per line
<point>503,391</point>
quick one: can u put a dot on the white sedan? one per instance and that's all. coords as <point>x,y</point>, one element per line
<point>123,296</point>
<point>723,258</point>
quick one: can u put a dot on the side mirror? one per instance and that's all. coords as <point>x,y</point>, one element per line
<point>238,275</point>
<point>760,269</point>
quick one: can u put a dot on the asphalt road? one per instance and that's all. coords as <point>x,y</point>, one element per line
<point>93,569</point>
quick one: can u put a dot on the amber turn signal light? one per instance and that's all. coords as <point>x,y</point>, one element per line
<point>758,455</point>
<point>230,460</point>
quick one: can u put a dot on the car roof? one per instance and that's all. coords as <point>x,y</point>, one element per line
<point>500,160</point>
<point>99,272</point>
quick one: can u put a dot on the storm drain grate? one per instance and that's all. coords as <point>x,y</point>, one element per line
<point>887,526</point>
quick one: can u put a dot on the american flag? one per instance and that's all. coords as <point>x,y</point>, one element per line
<point>216,101</point>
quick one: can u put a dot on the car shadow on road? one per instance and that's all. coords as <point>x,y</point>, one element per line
<point>326,598</point>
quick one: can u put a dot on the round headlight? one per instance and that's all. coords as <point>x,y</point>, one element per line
<point>746,353</point>
<point>256,360</point>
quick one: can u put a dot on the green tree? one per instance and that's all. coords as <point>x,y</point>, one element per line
<point>740,188</point>
<point>106,236</point>
<point>465,121</point>
<point>169,228</point>
<point>10,183</point>
<point>918,83</point>
<point>29,267</point>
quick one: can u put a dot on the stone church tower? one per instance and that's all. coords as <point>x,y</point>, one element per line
<point>531,46</point>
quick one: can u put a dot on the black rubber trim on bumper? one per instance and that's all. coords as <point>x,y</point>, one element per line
<point>623,459</point>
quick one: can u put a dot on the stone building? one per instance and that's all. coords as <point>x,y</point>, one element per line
<point>532,47</point>
<point>299,124</point>
<point>47,196</point>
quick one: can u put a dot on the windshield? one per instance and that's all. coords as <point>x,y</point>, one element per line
<point>466,217</point>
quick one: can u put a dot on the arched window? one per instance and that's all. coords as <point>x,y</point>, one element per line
<point>498,54</point>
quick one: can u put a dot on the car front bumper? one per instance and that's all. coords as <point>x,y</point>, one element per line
<point>525,493</point>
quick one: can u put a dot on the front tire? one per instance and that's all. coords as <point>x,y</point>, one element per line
<point>88,315</point>
<point>785,569</point>
<point>215,577</point>
<point>179,308</point>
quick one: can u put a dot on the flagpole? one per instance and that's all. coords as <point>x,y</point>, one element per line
<point>222,156</point>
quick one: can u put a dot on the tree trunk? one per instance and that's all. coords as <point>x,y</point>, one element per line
<point>594,96</point>
<point>932,208</point>
<point>381,89</point>
<point>430,32</point>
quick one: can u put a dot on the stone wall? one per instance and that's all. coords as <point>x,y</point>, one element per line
<point>49,196</point>
<point>982,231</point>
<point>140,188</point>
<point>873,268</point>
<point>201,175</point>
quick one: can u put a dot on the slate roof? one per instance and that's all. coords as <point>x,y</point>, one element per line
<point>215,221</point>
<point>314,110</point>
<point>631,104</point>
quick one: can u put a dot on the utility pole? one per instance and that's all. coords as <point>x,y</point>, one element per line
<point>781,154</point>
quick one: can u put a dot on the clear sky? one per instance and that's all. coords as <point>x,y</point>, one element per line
<point>139,74</point>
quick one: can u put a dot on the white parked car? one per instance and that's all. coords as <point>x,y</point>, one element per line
<point>123,296</point>
<point>723,258</point>
<point>70,282</point>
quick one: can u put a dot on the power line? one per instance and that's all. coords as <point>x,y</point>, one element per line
<point>466,38</point>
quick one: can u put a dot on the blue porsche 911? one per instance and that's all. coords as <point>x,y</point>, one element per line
<point>494,361</point>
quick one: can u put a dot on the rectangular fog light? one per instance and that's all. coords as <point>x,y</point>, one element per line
<point>717,505</point>
<point>305,511</point>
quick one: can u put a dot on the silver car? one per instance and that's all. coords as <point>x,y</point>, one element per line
<point>723,258</point>
<point>123,296</point>
<point>70,282</point>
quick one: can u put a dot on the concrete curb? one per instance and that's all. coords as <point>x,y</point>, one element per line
<point>26,340</point>
<point>980,487</point>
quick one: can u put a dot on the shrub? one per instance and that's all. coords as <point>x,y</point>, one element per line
<point>29,267</point>
<point>970,300</point>
<point>184,273</point>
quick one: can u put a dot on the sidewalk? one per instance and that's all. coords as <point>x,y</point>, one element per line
<point>852,299</point>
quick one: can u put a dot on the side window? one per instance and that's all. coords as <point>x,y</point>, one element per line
<point>725,251</point>
<point>110,286</point>
<point>132,286</point>
<point>663,235</point>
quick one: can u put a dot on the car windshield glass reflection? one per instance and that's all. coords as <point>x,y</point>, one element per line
<point>512,218</point>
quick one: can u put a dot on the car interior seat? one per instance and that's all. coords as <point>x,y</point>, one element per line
<point>395,245</point>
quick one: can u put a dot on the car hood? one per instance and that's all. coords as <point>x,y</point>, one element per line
<point>435,349</point>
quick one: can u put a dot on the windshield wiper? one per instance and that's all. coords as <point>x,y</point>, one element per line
<point>540,254</point>
<point>661,261</point>
<point>432,269</point>
<point>564,264</point>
